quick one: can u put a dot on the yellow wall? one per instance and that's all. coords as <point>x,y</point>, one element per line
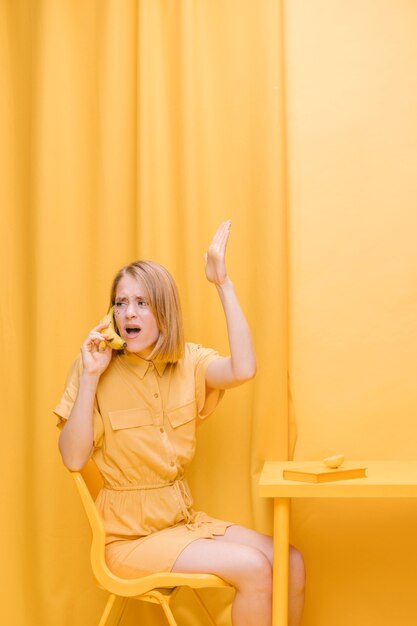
<point>352,161</point>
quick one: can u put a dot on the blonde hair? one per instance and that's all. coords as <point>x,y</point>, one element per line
<point>164,302</point>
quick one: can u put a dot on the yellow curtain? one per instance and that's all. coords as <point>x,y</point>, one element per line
<point>130,130</point>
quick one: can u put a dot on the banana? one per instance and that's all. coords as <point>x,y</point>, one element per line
<point>334,461</point>
<point>112,338</point>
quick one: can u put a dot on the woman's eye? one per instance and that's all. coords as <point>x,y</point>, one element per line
<point>142,303</point>
<point>119,305</point>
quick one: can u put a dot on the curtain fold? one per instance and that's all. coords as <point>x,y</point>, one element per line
<point>130,130</point>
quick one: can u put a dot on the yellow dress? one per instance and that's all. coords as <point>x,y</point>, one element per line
<point>145,416</point>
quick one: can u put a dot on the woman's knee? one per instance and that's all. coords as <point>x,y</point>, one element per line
<point>296,569</point>
<point>256,575</point>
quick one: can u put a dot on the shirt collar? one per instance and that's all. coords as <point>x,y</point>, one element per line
<point>142,366</point>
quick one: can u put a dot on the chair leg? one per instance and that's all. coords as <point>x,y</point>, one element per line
<point>163,601</point>
<point>203,607</point>
<point>113,611</point>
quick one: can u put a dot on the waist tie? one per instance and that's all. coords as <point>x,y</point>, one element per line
<point>136,487</point>
<point>181,492</point>
<point>184,500</point>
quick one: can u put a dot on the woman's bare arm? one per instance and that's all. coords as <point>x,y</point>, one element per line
<point>240,365</point>
<point>76,439</point>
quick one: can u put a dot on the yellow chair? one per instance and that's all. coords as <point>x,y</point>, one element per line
<point>158,588</point>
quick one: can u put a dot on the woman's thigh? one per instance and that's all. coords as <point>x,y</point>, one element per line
<point>248,537</point>
<point>233,561</point>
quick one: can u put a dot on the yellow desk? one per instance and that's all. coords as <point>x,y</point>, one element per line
<point>385,479</point>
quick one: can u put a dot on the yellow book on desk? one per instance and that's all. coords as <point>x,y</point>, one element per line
<point>318,473</point>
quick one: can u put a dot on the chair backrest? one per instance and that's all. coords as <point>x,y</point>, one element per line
<point>92,478</point>
<point>89,483</point>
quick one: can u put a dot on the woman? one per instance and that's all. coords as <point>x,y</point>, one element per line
<point>135,411</point>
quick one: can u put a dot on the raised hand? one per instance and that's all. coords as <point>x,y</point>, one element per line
<point>215,265</point>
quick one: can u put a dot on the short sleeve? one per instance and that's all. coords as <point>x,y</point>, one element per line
<point>207,399</point>
<point>64,407</point>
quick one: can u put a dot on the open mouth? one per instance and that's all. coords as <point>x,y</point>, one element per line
<point>132,331</point>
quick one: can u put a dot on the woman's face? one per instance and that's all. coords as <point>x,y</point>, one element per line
<point>135,321</point>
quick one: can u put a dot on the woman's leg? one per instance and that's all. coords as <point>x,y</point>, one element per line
<point>243,557</point>
<point>244,567</point>
<point>296,570</point>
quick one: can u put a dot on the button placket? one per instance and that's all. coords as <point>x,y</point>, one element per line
<point>159,416</point>
<point>155,395</point>
<point>171,454</point>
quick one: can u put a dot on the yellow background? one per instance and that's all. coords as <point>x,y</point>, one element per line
<point>130,129</point>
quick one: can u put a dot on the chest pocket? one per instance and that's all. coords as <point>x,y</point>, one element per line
<point>130,418</point>
<point>182,414</point>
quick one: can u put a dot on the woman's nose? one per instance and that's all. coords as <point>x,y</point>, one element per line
<point>131,310</point>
